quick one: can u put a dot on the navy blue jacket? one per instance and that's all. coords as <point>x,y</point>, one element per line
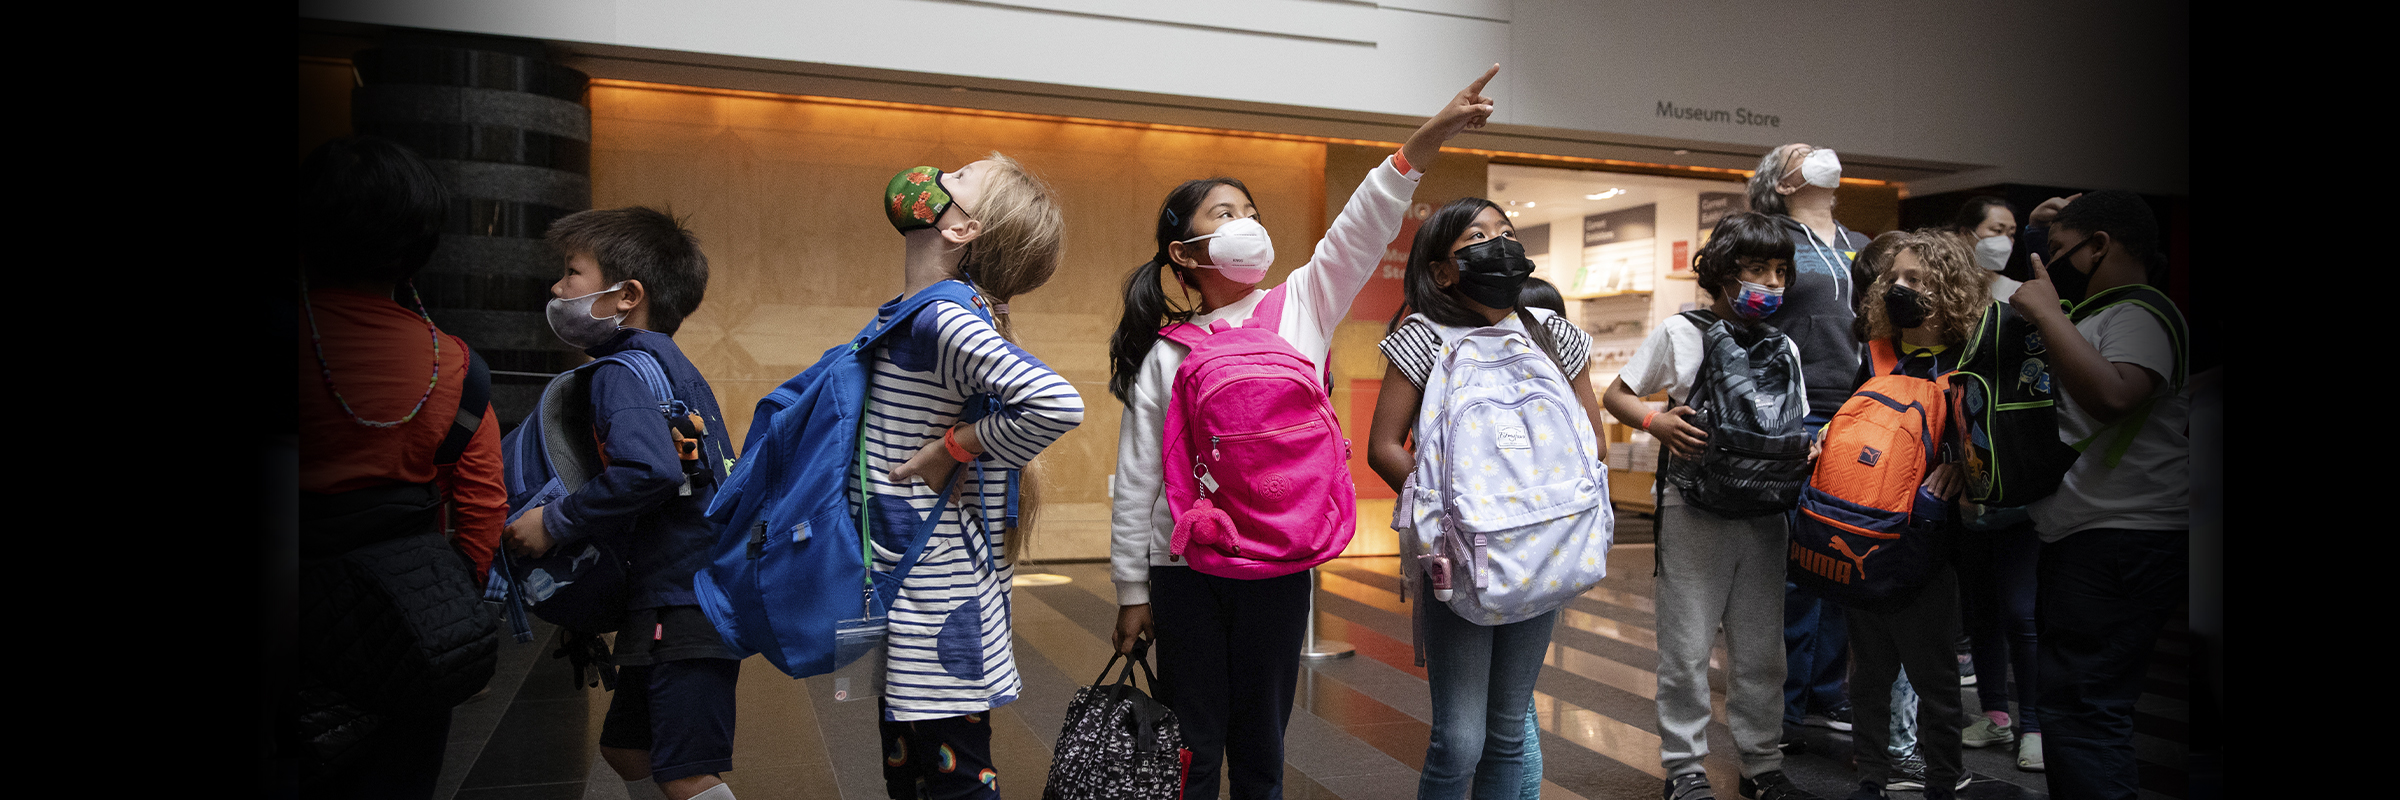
<point>637,500</point>
<point>1817,309</point>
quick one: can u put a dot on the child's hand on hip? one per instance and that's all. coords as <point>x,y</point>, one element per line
<point>931,463</point>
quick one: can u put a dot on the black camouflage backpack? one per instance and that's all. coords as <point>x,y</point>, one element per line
<point>1748,397</point>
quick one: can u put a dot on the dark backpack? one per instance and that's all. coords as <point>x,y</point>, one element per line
<point>2005,401</point>
<point>582,586</point>
<point>1748,397</point>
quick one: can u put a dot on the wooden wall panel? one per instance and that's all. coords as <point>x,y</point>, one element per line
<point>784,193</point>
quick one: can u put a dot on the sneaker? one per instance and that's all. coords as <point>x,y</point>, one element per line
<point>1774,786</point>
<point>1908,773</point>
<point>1690,786</point>
<point>1966,670</point>
<point>1985,734</point>
<point>1837,718</point>
<point>2029,753</point>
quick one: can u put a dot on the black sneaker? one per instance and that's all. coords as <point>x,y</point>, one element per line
<point>1690,786</point>
<point>1908,774</point>
<point>1774,786</point>
<point>1837,718</point>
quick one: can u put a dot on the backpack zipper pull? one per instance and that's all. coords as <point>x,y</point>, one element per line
<point>1213,453</point>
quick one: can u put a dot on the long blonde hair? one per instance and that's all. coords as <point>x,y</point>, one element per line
<point>1023,236</point>
<point>1956,289</point>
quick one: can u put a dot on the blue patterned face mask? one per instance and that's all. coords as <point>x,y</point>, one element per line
<point>1756,302</point>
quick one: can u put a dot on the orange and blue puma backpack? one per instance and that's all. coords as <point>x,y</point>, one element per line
<point>1863,531</point>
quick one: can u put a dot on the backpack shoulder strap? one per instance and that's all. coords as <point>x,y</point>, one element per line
<point>472,400</point>
<point>1986,328</point>
<point>2150,299</point>
<point>644,366</point>
<point>950,290</point>
<point>1269,313</point>
<point>1883,355</point>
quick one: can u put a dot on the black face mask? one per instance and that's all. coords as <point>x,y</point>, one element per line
<point>1491,271</point>
<point>2072,284</point>
<point>1904,306</point>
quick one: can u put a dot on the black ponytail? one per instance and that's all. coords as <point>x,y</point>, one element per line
<point>1146,305</point>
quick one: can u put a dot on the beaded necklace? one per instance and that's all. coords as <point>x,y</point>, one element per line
<point>318,338</point>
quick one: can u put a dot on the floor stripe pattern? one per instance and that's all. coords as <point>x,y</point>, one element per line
<point>1358,729</point>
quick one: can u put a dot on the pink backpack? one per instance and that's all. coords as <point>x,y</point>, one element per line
<point>1257,471</point>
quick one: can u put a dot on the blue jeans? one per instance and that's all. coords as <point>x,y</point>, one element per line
<point>1482,680</point>
<point>1816,642</point>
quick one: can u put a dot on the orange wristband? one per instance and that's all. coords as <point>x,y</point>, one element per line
<point>957,453</point>
<point>1646,420</point>
<point>1400,162</point>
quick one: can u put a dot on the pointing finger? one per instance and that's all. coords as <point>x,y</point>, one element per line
<point>1476,89</point>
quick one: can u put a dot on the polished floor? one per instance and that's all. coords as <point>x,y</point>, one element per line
<point>1358,730</point>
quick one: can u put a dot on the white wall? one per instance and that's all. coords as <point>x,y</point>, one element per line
<point>1944,95</point>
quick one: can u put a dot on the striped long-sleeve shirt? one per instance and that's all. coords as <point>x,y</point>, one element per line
<point>949,630</point>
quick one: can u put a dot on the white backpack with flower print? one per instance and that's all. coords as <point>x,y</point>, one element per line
<point>1508,485</point>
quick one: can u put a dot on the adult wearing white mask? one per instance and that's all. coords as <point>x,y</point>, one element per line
<point>1989,227</point>
<point>1794,185</point>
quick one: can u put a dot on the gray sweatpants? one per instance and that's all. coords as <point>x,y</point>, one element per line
<point>1712,571</point>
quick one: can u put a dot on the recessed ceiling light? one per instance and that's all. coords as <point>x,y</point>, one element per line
<point>1612,192</point>
<point>1515,214</point>
<point>1683,152</point>
<point>1528,204</point>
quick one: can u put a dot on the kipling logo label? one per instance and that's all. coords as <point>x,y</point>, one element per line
<point>1869,455</point>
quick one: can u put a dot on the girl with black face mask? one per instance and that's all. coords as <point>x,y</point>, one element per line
<point>1465,271</point>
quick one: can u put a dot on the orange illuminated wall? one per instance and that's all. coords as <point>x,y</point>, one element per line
<point>784,193</point>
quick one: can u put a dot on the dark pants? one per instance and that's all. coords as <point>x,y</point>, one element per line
<point>1921,635</point>
<point>1996,585</point>
<point>681,711</point>
<point>1228,659</point>
<point>2105,595</point>
<point>939,759</point>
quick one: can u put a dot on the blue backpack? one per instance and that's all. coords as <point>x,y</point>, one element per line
<point>790,576</point>
<point>582,587</point>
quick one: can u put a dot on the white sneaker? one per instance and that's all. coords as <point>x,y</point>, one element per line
<point>2029,753</point>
